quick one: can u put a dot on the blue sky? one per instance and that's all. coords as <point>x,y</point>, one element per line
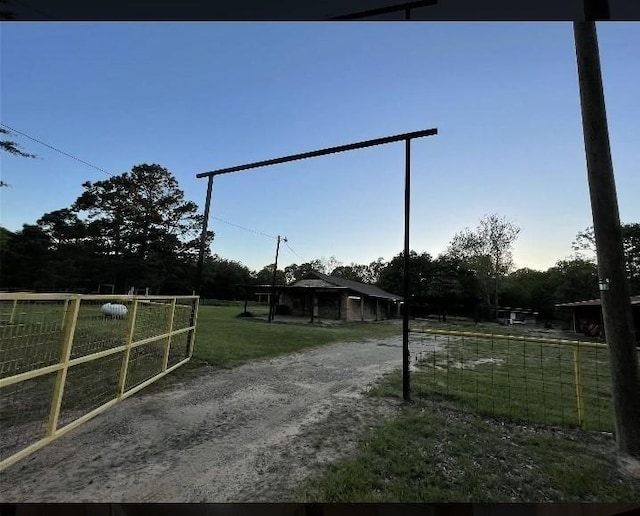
<point>199,96</point>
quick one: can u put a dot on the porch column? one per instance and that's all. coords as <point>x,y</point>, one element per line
<point>377,309</point>
<point>399,303</point>
<point>340,306</point>
<point>362,307</point>
<point>314,303</point>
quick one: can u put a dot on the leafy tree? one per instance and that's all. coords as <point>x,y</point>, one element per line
<point>373,271</point>
<point>487,250</point>
<point>141,224</point>
<point>574,280</point>
<point>585,245</point>
<point>25,257</point>
<point>420,265</point>
<point>533,289</point>
<point>265,276</point>
<point>224,279</point>
<point>134,229</point>
<point>295,272</point>
<point>352,272</point>
<point>8,145</point>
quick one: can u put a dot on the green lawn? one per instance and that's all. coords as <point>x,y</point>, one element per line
<point>437,453</point>
<point>516,379</point>
<point>225,340</point>
<point>466,324</point>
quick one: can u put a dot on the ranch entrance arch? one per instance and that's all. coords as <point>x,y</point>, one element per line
<point>406,138</point>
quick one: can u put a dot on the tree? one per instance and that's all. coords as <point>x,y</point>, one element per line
<point>391,277</point>
<point>10,146</point>
<point>352,272</point>
<point>140,223</point>
<point>25,257</point>
<point>224,279</point>
<point>374,269</point>
<point>265,276</point>
<point>295,272</point>
<point>533,289</point>
<point>575,279</point>
<point>585,246</point>
<point>488,251</point>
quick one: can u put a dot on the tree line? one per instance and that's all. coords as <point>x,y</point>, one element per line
<point>137,229</point>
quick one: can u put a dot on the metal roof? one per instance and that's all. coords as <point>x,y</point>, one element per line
<point>362,288</point>
<point>313,283</point>
<point>635,300</point>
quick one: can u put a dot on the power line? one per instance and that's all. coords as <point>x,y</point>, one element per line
<point>56,149</point>
<point>112,175</point>
<point>291,249</point>
<point>244,228</point>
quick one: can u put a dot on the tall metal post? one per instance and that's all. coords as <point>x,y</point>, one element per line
<point>406,385</point>
<point>203,236</point>
<point>273,281</point>
<point>614,289</point>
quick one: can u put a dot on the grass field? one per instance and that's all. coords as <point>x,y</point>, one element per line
<point>437,453</point>
<point>516,379</point>
<point>225,340</point>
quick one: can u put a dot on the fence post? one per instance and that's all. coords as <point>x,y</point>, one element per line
<point>192,340</point>
<point>14,308</point>
<point>165,359</point>
<point>64,310</point>
<point>69,330</point>
<point>122,382</point>
<point>579,386</point>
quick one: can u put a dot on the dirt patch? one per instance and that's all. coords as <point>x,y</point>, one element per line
<point>246,434</point>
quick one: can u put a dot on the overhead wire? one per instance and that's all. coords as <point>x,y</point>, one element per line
<point>244,228</point>
<point>56,149</point>
<point>291,249</point>
<point>22,133</point>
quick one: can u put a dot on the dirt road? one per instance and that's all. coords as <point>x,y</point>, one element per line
<point>245,434</point>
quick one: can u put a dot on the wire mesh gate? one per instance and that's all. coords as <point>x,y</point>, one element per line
<point>534,379</point>
<point>66,358</point>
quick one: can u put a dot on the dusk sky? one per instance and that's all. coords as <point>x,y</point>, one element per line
<point>194,97</point>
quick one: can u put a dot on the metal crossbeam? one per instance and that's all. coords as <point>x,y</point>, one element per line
<point>322,152</point>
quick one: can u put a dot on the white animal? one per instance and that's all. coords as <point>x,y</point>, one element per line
<point>114,310</point>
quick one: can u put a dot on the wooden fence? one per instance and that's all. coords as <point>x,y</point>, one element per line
<point>63,360</point>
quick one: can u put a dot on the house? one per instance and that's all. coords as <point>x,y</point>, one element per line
<point>507,315</point>
<point>328,297</point>
<point>586,316</point>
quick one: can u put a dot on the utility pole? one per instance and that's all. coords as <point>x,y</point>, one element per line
<point>273,282</point>
<point>614,289</point>
<point>406,382</point>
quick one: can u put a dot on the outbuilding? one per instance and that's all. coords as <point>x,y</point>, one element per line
<point>507,315</point>
<point>586,316</point>
<point>321,296</point>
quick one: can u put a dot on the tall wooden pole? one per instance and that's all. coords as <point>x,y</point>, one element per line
<point>406,384</point>
<point>614,289</point>
<point>203,237</point>
<point>273,282</point>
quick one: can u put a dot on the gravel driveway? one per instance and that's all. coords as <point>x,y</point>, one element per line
<point>246,434</point>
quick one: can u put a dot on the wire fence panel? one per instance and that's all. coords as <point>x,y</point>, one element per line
<point>539,380</point>
<point>65,358</point>
<point>24,413</point>
<point>31,334</point>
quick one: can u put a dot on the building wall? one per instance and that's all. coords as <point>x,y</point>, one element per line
<point>370,311</point>
<point>336,306</point>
